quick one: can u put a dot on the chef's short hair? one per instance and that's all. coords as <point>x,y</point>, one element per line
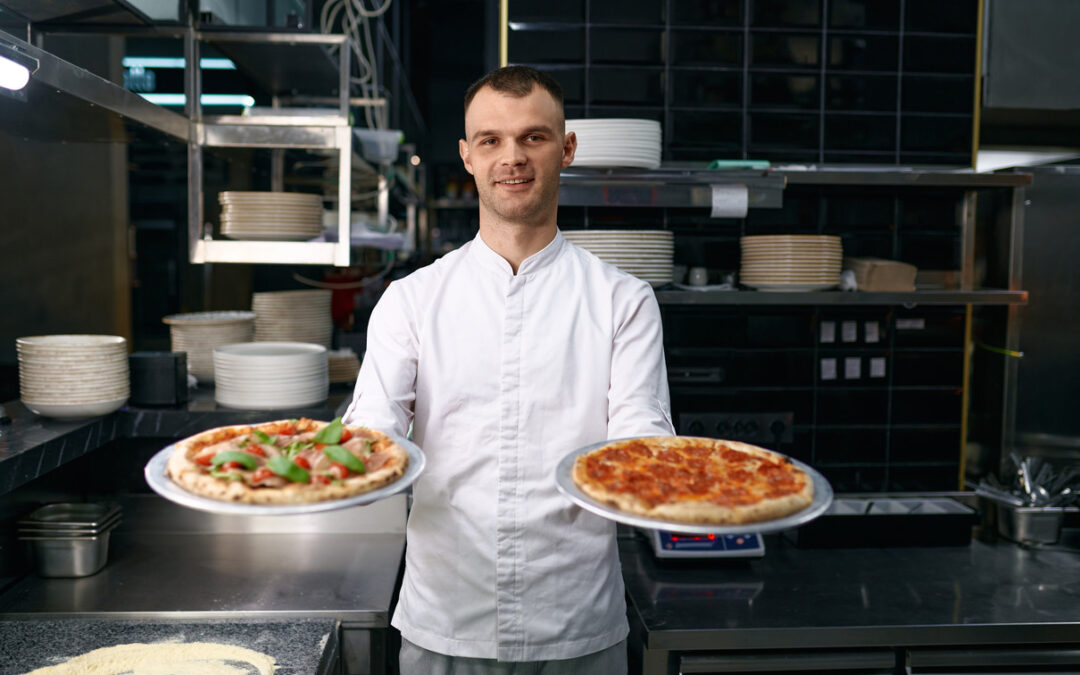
<point>516,81</point>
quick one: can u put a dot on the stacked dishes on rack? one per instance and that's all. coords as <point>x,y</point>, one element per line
<point>790,262</point>
<point>198,333</point>
<point>275,216</point>
<point>617,142</point>
<point>69,540</point>
<point>344,365</point>
<point>270,375</point>
<point>293,316</point>
<point>647,254</point>
<point>73,376</point>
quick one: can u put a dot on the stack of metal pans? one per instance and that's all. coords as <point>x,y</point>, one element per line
<point>69,539</point>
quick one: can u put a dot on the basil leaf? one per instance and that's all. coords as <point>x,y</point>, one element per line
<point>225,475</point>
<point>338,454</point>
<point>330,434</point>
<point>284,467</point>
<point>293,449</point>
<point>244,459</point>
<point>262,437</point>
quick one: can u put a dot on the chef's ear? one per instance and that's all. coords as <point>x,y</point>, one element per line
<point>569,148</point>
<point>463,150</point>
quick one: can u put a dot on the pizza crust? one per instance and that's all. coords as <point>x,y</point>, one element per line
<point>692,509</point>
<point>183,470</point>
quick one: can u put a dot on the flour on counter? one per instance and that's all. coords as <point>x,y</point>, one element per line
<point>193,658</point>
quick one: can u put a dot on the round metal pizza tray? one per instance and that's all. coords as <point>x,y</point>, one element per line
<point>823,496</point>
<point>160,483</point>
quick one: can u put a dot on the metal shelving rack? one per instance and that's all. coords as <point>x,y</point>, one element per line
<point>331,132</point>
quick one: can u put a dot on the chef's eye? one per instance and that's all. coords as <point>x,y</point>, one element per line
<point>487,141</point>
<point>535,137</point>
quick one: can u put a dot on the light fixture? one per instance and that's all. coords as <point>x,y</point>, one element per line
<point>15,67</point>
<point>206,99</point>
<point>175,62</point>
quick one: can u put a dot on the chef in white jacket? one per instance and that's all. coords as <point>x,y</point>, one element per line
<point>505,355</point>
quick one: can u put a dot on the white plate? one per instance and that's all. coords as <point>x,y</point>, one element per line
<point>823,496</point>
<point>603,162</point>
<point>74,411</point>
<point>784,287</point>
<point>208,318</point>
<point>160,483</point>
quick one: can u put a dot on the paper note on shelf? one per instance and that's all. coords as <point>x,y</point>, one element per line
<point>729,201</point>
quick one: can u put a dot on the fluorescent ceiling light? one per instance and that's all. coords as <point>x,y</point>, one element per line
<point>13,75</point>
<point>207,99</point>
<point>175,62</point>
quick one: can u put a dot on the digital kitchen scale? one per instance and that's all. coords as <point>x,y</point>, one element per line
<point>667,544</point>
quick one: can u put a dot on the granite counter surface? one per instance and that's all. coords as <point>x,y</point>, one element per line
<point>299,647</point>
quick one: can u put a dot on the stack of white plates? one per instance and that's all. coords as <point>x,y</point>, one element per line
<point>73,376</point>
<point>270,375</point>
<point>293,316</point>
<point>276,216</point>
<point>790,262</point>
<point>197,333</point>
<point>344,365</point>
<point>617,142</point>
<point>647,254</point>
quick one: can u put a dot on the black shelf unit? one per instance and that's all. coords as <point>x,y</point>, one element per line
<point>873,394</point>
<point>837,81</point>
<point>871,387</point>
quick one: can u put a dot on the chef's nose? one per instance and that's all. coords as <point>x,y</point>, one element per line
<point>513,154</point>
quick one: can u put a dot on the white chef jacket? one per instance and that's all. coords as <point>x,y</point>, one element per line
<point>503,375</point>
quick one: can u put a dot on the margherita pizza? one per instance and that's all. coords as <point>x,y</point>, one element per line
<point>694,480</point>
<point>286,462</point>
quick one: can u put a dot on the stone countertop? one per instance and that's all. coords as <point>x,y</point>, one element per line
<point>32,446</point>
<point>299,647</point>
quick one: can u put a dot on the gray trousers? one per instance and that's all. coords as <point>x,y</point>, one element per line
<point>415,660</point>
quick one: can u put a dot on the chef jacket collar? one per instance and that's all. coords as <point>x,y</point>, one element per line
<point>534,263</point>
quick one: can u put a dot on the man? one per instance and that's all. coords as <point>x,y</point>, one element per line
<point>506,355</point>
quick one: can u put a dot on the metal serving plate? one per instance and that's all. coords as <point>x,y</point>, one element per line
<point>823,496</point>
<point>160,483</point>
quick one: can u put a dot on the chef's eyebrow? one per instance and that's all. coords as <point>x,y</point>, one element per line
<point>543,128</point>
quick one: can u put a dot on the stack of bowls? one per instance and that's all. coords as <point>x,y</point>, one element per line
<point>293,316</point>
<point>344,365</point>
<point>198,333</point>
<point>790,262</point>
<point>69,540</point>
<point>73,376</point>
<point>270,375</point>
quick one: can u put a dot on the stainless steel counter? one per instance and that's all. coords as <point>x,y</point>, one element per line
<point>170,562</point>
<point>857,598</point>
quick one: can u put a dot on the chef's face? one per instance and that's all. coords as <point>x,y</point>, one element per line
<point>514,147</point>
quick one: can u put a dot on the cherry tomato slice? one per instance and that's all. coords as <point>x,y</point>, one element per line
<point>338,470</point>
<point>288,429</point>
<point>255,450</point>
<point>345,435</point>
<point>302,463</point>
<point>232,465</point>
<point>320,479</point>
<point>204,460</point>
<point>262,474</point>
